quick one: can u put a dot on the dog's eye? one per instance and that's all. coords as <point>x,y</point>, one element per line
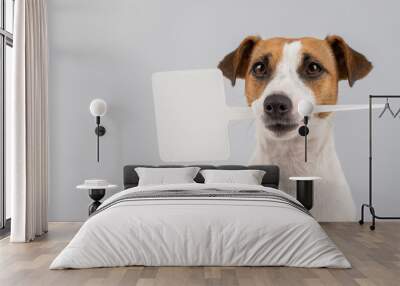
<point>313,69</point>
<point>259,69</point>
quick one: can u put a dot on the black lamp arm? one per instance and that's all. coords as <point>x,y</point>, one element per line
<point>100,131</point>
<point>303,131</point>
<point>98,138</point>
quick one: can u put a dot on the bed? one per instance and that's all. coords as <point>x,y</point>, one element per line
<point>198,224</point>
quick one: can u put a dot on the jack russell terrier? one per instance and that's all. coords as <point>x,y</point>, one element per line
<point>278,74</point>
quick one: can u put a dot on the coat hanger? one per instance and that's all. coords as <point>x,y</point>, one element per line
<point>397,113</point>
<point>387,107</point>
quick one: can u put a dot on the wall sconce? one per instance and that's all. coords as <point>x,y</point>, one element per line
<point>305,108</point>
<point>98,108</point>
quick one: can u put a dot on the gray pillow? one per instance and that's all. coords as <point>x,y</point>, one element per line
<point>248,177</point>
<point>165,176</point>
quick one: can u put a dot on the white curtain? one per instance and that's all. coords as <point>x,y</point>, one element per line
<point>27,123</point>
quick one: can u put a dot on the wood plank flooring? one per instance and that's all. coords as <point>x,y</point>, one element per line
<point>375,257</point>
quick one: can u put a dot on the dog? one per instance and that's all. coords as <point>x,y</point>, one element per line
<point>278,74</point>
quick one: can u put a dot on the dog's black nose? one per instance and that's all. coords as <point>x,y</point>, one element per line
<point>277,105</point>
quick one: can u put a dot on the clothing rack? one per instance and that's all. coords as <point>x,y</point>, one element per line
<point>370,204</point>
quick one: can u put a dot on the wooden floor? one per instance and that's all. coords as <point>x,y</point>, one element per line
<point>375,257</point>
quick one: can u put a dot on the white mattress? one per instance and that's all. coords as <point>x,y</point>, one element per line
<point>200,231</point>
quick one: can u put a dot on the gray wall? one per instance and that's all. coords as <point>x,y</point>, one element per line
<point>109,49</point>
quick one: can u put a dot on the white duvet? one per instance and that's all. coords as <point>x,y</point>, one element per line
<point>200,231</point>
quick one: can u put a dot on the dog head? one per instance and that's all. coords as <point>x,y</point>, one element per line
<point>280,72</point>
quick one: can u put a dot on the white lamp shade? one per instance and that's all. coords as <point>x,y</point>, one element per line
<point>305,108</point>
<point>98,107</point>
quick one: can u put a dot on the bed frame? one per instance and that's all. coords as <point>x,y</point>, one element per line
<point>270,179</point>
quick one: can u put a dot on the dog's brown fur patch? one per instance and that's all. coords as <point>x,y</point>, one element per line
<point>325,88</point>
<point>351,65</point>
<point>234,65</point>
<point>273,47</point>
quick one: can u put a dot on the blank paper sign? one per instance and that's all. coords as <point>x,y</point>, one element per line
<point>192,116</point>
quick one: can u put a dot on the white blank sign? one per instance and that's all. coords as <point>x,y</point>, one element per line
<point>192,116</point>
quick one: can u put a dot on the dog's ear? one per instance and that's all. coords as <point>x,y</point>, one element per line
<point>235,64</point>
<point>351,65</point>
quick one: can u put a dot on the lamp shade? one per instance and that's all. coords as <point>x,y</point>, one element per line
<point>98,107</point>
<point>305,108</point>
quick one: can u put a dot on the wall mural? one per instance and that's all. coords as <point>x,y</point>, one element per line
<point>192,116</point>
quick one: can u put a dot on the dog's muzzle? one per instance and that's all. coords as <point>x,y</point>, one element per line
<point>278,113</point>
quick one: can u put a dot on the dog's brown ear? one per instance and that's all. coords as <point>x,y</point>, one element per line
<point>351,65</point>
<point>235,64</point>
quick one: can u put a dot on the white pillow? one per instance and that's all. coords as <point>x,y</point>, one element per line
<point>163,176</point>
<point>248,177</point>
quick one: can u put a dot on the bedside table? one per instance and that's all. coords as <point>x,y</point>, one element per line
<point>305,190</point>
<point>96,193</point>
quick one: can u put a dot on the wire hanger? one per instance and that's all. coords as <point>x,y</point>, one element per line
<point>387,107</point>
<point>397,113</point>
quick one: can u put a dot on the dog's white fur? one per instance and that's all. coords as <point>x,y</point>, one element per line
<point>332,197</point>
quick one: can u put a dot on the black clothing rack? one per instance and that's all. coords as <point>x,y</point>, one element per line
<point>370,205</point>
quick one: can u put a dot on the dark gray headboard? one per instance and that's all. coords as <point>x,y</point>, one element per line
<point>271,177</point>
